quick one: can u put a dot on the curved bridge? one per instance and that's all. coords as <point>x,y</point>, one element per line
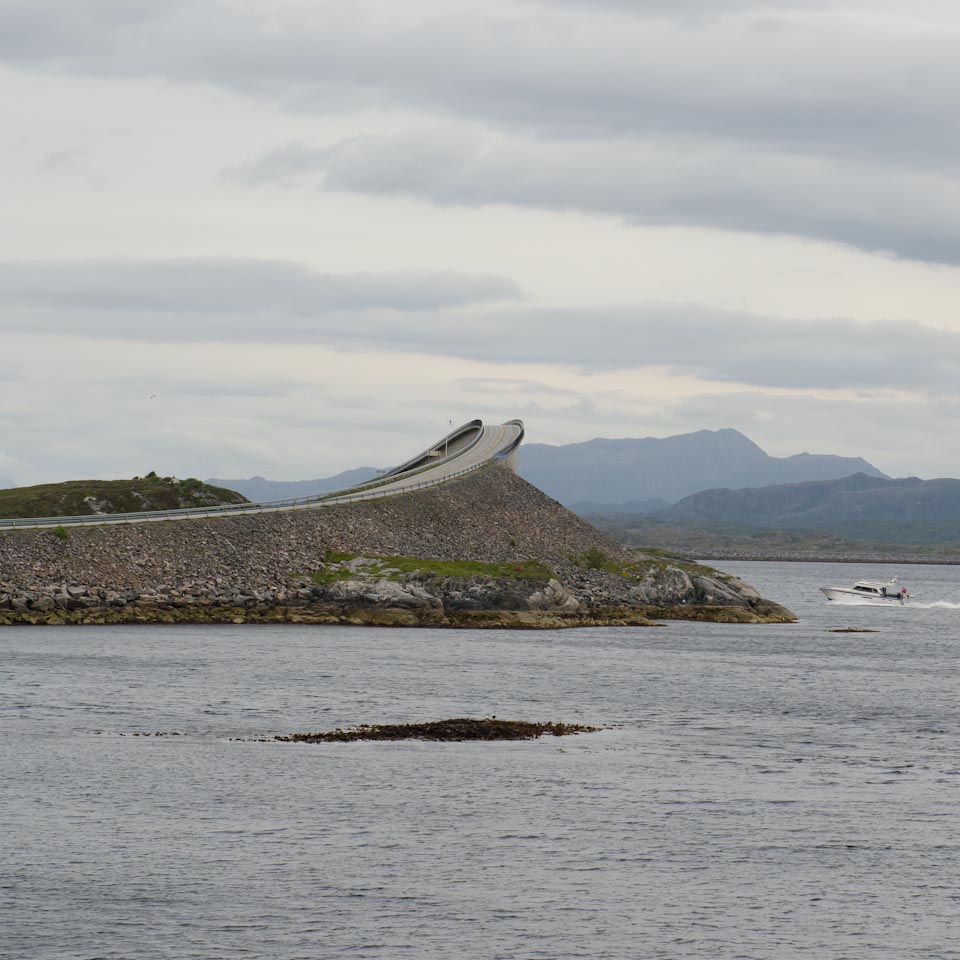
<point>460,452</point>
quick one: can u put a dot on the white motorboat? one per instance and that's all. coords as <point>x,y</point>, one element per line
<point>868,591</point>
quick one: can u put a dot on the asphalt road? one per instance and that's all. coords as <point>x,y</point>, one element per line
<point>471,446</point>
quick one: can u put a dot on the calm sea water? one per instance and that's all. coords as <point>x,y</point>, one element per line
<point>761,792</point>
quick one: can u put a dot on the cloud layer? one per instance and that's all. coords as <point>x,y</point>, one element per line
<point>832,121</point>
<point>660,183</point>
<point>322,227</point>
<point>243,301</point>
<point>218,298</point>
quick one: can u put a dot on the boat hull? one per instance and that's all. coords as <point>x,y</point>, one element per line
<point>848,595</point>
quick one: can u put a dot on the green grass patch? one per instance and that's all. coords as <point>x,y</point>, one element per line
<point>331,556</point>
<point>467,568</point>
<point>87,497</point>
<point>396,568</point>
<point>640,568</point>
<point>595,559</point>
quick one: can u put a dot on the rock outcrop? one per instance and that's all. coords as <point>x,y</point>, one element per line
<point>486,550</point>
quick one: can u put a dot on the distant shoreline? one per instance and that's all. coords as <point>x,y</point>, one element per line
<point>722,557</point>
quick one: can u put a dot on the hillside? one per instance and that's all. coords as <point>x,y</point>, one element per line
<point>260,490</point>
<point>487,549</point>
<point>607,472</point>
<point>79,497</point>
<point>642,533</point>
<point>860,507</point>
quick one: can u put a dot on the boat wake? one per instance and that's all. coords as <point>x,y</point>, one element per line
<point>856,602</point>
<point>936,605</point>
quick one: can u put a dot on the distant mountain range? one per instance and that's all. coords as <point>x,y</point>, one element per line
<point>632,508</point>
<point>600,474</point>
<point>629,477</point>
<point>859,507</point>
<point>258,489</point>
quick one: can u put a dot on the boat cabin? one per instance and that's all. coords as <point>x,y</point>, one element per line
<point>874,588</point>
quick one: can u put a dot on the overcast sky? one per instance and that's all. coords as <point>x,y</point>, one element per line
<point>290,237</point>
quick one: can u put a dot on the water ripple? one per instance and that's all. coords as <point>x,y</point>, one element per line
<point>760,792</point>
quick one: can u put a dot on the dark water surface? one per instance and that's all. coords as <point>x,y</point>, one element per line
<point>763,792</point>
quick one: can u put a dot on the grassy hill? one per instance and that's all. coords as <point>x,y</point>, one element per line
<point>854,516</point>
<point>648,535</point>
<point>859,507</point>
<point>80,497</point>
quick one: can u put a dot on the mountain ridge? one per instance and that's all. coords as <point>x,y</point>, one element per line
<point>615,472</point>
<point>908,510</point>
<point>260,490</point>
<point>617,476</point>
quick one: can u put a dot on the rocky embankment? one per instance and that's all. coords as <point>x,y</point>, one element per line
<point>486,550</point>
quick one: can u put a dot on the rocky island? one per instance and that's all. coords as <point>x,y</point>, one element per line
<point>454,730</point>
<point>484,550</point>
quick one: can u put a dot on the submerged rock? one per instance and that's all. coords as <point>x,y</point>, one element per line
<point>456,729</point>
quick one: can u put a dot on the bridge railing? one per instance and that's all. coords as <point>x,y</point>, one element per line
<point>234,509</point>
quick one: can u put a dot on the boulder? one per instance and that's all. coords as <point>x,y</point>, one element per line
<point>380,593</point>
<point>554,596</point>
<point>712,592</point>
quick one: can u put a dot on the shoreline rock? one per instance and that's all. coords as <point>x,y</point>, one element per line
<point>393,617</point>
<point>485,550</point>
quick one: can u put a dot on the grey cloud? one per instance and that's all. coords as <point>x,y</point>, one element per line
<point>711,344</point>
<point>688,9</point>
<point>288,163</point>
<point>505,386</point>
<point>236,305</point>
<point>206,387</point>
<point>68,33</point>
<point>59,159</point>
<point>298,436</point>
<point>900,436</point>
<point>222,297</point>
<point>741,118</point>
<point>558,71</point>
<point>653,182</point>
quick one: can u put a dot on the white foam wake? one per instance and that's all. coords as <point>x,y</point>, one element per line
<point>936,605</point>
<point>855,602</point>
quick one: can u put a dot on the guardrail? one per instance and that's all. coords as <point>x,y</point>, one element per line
<point>238,509</point>
<point>452,436</point>
<point>369,490</point>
